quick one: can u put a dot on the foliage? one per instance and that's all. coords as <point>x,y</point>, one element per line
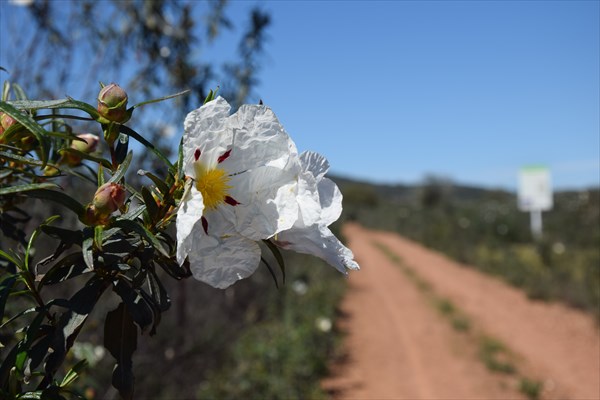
<point>285,354</point>
<point>125,252</point>
<point>485,229</point>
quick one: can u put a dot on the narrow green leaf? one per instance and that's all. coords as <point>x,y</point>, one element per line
<point>150,146</point>
<point>211,95</point>
<point>100,175</point>
<point>68,267</point>
<point>25,188</point>
<point>150,204</point>
<point>74,373</point>
<point>86,156</point>
<point>58,197</point>
<point>19,92</point>
<point>138,307</point>
<point>5,288</point>
<point>70,323</point>
<point>98,233</point>
<point>161,99</point>
<point>161,185</point>
<point>11,259</point>
<point>277,254</point>
<point>33,237</point>
<point>5,88</point>
<point>88,252</point>
<point>129,225</point>
<point>122,169</point>
<point>38,104</point>
<point>122,147</point>
<point>26,160</point>
<point>180,172</point>
<point>120,339</point>
<point>271,271</point>
<point>30,124</point>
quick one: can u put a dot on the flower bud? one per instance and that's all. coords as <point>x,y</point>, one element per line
<point>50,170</point>
<point>108,199</point>
<point>112,103</point>
<point>6,121</point>
<point>87,145</point>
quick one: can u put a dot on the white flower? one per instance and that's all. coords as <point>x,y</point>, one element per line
<point>320,204</point>
<point>245,170</point>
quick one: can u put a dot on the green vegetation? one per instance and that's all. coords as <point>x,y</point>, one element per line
<point>284,355</point>
<point>484,228</point>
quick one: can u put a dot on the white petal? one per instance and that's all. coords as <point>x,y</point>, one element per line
<point>314,163</point>
<point>320,242</point>
<point>268,201</point>
<point>207,129</point>
<point>330,198</point>
<point>258,140</point>
<point>308,200</point>
<point>188,222</point>
<point>221,262</point>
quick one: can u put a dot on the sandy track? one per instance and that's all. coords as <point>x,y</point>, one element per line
<point>398,346</point>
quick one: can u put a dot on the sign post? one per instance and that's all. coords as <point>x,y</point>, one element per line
<point>535,195</point>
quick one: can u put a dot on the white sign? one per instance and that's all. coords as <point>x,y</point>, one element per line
<point>535,189</point>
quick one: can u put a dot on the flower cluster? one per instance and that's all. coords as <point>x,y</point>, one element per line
<point>248,183</point>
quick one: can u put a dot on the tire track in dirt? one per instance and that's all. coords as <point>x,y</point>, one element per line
<point>399,347</point>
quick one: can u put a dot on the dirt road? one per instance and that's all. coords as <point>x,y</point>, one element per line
<point>399,346</point>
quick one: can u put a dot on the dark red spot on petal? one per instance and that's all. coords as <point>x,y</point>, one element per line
<point>197,154</point>
<point>224,156</point>
<point>204,224</point>
<point>231,201</point>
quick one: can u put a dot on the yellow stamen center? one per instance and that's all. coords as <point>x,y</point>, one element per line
<point>213,186</point>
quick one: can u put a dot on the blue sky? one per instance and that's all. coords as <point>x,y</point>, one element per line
<point>474,90</point>
<point>392,91</point>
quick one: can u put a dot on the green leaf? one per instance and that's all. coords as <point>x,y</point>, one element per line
<point>277,254</point>
<point>88,252</point>
<point>33,237</point>
<point>58,197</point>
<point>211,95</point>
<point>38,104</point>
<point>161,185</point>
<point>122,147</point>
<point>30,124</point>
<point>150,146</point>
<point>98,234</point>
<point>25,188</point>
<point>150,204</point>
<point>86,156</point>
<point>138,308</point>
<point>70,323</point>
<point>68,236</point>
<point>132,226</point>
<point>26,160</point>
<point>101,175</point>
<point>271,271</point>
<point>158,291</point>
<point>74,373</point>
<point>161,99</point>
<point>11,258</point>
<point>120,339</point>
<point>5,288</point>
<point>68,267</point>
<point>180,172</point>
<point>122,169</point>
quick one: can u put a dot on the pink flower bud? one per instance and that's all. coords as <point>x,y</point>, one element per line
<point>108,199</point>
<point>87,145</point>
<point>6,121</point>
<point>112,103</point>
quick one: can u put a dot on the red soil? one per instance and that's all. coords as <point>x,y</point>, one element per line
<point>399,346</point>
